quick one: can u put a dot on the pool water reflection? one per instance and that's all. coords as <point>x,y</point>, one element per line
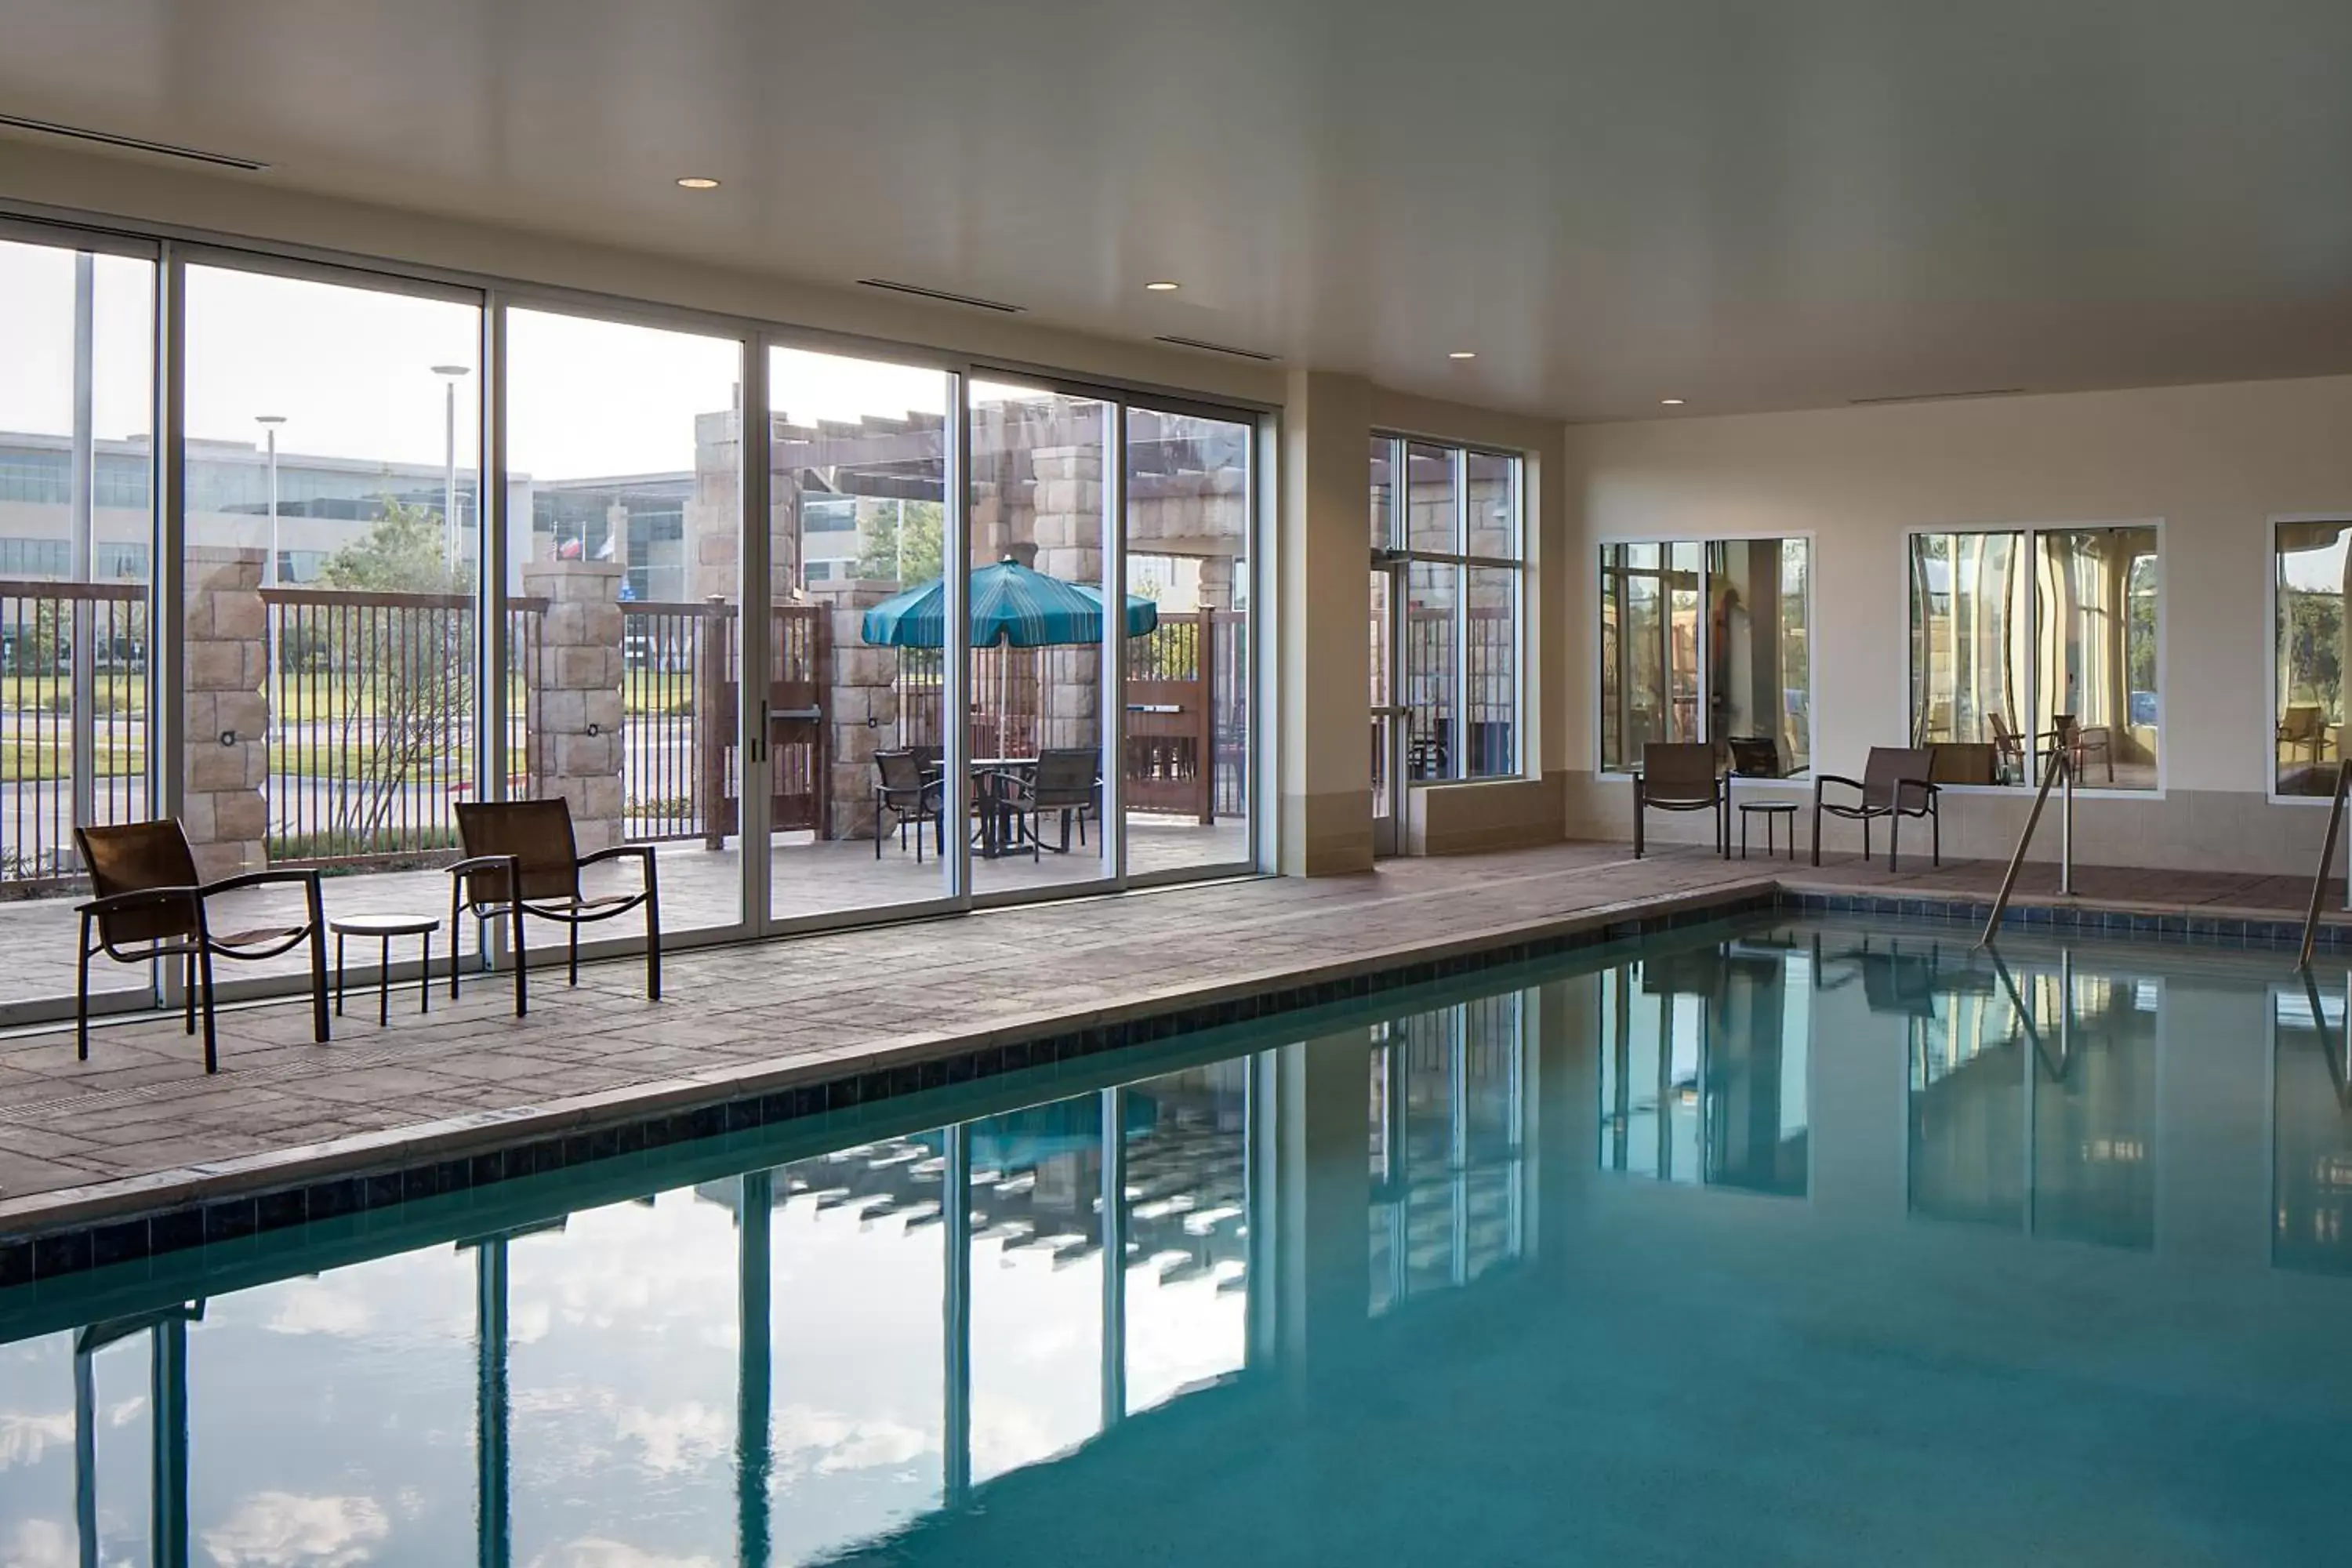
<point>1888,1248</point>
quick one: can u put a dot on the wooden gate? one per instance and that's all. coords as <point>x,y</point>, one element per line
<point>796,721</point>
<point>1171,742</point>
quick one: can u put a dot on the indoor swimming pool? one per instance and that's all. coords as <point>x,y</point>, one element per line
<point>1774,1242</point>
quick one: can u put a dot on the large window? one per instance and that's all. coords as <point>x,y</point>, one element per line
<point>1708,642</point>
<point>2313,569</point>
<point>75,411</point>
<point>1447,532</point>
<point>2026,643</point>
<point>340,570</point>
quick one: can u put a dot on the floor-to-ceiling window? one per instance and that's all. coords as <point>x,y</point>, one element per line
<point>1039,713</point>
<point>626,598</point>
<point>77,536</point>
<point>329,577</point>
<point>339,598</point>
<point>1448,532</point>
<point>858,538</point>
<point>1190,741</point>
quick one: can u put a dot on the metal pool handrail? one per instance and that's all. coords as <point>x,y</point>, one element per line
<point>2327,857</point>
<point>2060,767</point>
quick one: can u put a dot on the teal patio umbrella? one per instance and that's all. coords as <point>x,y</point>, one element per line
<point>1010,604</point>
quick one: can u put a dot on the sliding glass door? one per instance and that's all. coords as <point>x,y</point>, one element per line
<point>858,536</point>
<point>77,536</point>
<point>1038,683</point>
<point>625,599</point>
<point>329,579</point>
<point>915,635</point>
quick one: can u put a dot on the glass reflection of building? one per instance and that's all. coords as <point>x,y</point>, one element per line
<point>1448,1152</point>
<point>2032,1090</point>
<point>1704,1059</point>
<point>2311,1130</point>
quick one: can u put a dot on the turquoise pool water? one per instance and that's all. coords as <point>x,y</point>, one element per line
<point>1775,1243</point>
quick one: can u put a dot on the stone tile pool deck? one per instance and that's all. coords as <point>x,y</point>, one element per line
<point>138,1130</point>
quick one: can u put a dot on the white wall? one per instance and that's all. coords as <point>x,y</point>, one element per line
<point>2215,463</point>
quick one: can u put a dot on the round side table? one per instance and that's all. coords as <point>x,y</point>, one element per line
<point>1772,812</point>
<point>383,928</point>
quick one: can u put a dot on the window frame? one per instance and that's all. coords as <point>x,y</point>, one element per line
<point>2271,526</point>
<point>1388,555</point>
<point>2031,535</point>
<point>1703,539</point>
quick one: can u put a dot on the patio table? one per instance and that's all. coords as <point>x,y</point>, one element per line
<point>999,830</point>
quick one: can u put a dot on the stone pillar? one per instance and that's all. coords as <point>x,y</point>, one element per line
<point>861,703</point>
<point>1216,583</point>
<point>1068,532</point>
<point>575,748</point>
<point>226,805</point>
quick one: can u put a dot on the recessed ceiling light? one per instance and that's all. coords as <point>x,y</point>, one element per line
<point>698,182</point>
<point>1163,286</point>
<point>1463,353</point>
<point>1670,403</point>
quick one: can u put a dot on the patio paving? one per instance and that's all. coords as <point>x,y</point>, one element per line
<point>700,888</point>
<point>140,1125</point>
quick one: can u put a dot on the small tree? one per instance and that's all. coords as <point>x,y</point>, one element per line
<point>404,669</point>
<point>911,554</point>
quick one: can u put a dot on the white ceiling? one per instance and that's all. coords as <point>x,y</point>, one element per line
<point>1748,204</point>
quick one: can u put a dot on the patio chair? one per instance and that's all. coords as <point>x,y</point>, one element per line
<point>149,897</point>
<point>1067,780</point>
<point>2009,746</point>
<point>2080,740</point>
<point>1894,783</point>
<point>2303,728</point>
<point>1681,776</point>
<point>1755,756</point>
<point>521,860</point>
<point>906,789</point>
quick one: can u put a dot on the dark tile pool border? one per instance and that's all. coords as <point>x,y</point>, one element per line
<point>39,1253</point>
<point>2076,920</point>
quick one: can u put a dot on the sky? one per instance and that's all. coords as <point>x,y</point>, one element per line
<point>351,370</point>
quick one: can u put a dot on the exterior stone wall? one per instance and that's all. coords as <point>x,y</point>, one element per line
<point>861,704</point>
<point>226,805</point>
<point>1067,529</point>
<point>575,744</point>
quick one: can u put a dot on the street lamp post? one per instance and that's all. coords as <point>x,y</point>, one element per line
<point>450,374</point>
<point>269,424</point>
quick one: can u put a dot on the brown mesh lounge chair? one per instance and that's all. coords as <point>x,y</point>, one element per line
<point>2080,741</point>
<point>149,900</point>
<point>906,789</point>
<point>1682,776</point>
<point>521,860</point>
<point>1755,756</point>
<point>1893,785</point>
<point>1065,780</point>
<point>2009,749</point>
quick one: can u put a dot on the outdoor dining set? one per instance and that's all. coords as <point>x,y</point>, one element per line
<point>1007,605</point>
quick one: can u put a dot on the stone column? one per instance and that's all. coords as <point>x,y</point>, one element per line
<point>861,703</point>
<point>226,805</point>
<point>575,747</point>
<point>1068,532</point>
<point>1216,583</point>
